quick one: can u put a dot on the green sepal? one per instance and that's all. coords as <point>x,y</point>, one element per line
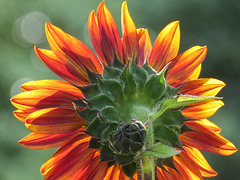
<point>159,84</point>
<point>158,150</point>
<point>170,163</point>
<point>88,115</point>
<point>185,128</point>
<point>111,88</point>
<point>123,159</point>
<point>94,143</point>
<point>109,114</point>
<point>166,135</point>
<point>106,154</point>
<point>169,91</point>
<point>140,75</point>
<point>177,102</point>
<point>109,128</point>
<point>171,117</point>
<point>129,84</point>
<point>90,91</point>
<point>92,76</point>
<point>80,103</point>
<point>148,69</point>
<point>129,169</point>
<point>96,128</point>
<point>116,63</point>
<point>111,73</point>
<point>99,102</point>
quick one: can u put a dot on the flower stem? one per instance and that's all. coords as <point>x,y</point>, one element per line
<point>147,163</point>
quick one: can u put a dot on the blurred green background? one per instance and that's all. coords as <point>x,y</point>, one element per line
<point>214,23</point>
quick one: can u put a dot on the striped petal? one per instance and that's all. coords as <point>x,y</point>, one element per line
<point>145,45</point>
<point>202,87</point>
<point>96,39</point>
<point>166,46</point>
<point>20,115</point>
<point>72,51</point>
<point>198,160</point>
<point>130,37</point>
<point>74,148</point>
<point>186,169</point>
<point>110,38</point>
<point>207,140</point>
<point>63,69</point>
<point>45,141</point>
<point>185,64</point>
<point>30,101</point>
<point>203,110</point>
<point>95,171</point>
<point>206,123</point>
<point>59,85</point>
<point>54,121</point>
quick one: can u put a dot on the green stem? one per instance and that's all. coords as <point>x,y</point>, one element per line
<point>147,163</point>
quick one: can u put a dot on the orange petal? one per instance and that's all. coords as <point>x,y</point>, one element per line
<point>30,101</point>
<point>72,51</point>
<point>185,64</point>
<point>20,115</point>
<point>52,85</point>
<point>206,123</point>
<point>77,146</point>
<point>145,46</point>
<point>96,39</point>
<point>111,41</point>
<point>207,140</point>
<point>203,110</point>
<point>186,169</point>
<point>202,87</point>
<point>45,141</point>
<point>63,69</point>
<point>161,174</point>
<point>130,38</point>
<point>166,46</point>
<point>198,160</point>
<point>54,121</point>
<point>113,173</point>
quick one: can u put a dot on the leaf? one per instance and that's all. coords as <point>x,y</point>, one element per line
<point>158,150</point>
<point>177,102</point>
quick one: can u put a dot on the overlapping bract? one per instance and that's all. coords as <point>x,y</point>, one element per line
<point>47,107</point>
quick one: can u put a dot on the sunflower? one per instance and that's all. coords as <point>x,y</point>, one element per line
<point>132,111</point>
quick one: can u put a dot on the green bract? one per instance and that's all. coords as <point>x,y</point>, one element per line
<point>132,113</point>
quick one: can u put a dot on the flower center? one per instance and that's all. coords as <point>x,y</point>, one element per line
<point>132,113</point>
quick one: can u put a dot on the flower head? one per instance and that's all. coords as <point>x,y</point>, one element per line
<point>133,110</point>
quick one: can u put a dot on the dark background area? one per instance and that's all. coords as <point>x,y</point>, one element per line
<point>214,23</point>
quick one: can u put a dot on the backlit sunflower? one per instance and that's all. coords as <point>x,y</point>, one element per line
<point>133,110</point>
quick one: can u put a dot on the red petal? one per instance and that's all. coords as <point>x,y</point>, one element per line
<point>130,38</point>
<point>111,41</point>
<point>202,87</point>
<point>166,46</point>
<point>199,161</point>
<point>54,121</point>
<point>63,69</point>
<point>205,123</point>
<point>207,140</point>
<point>67,154</point>
<point>52,85</point>
<point>45,141</point>
<point>145,46</point>
<point>30,101</point>
<point>203,110</point>
<point>96,39</point>
<point>69,49</point>
<point>185,64</point>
